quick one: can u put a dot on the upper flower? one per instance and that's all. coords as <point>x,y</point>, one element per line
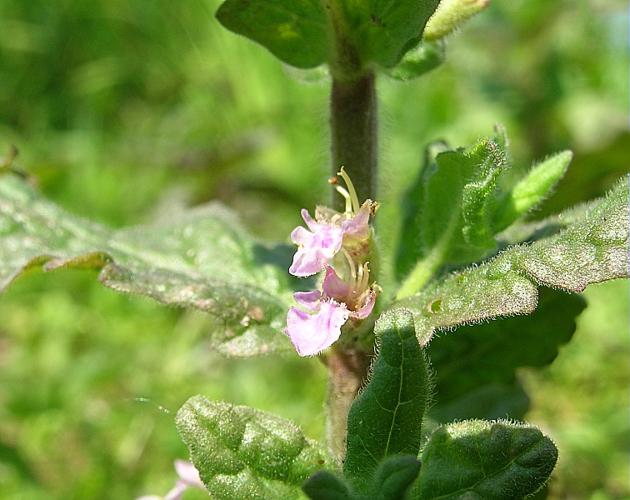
<point>330,232</point>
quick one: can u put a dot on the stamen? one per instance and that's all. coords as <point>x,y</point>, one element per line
<point>346,196</point>
<point>360,278</point>
<point>365,276</point>
<point>353,269</point>
<point>353,193</point>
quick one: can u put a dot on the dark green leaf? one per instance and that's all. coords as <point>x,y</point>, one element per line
<point>202,259</point>
<point>381,30</point>
<point>324,485</point>
<point>424,58</point>
<point>245,453</point>
<point>294,31</point>
<point>393,477</point>
<point>590,250</point>
<point>488,402</point>
<point>484,460</point>
<point>386,418</point>
<point>486,356</point>
<point>451,223</point>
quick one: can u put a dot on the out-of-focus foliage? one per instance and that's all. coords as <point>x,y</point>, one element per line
<point>124,110</point>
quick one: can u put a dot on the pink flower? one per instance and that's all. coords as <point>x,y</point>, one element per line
<point>319,326</point>
<point>358,226</point>
<point>188,478</point>
<point>312,332</point>
<point>326,236</point>
<point>316,246</point>
<point>317,323</point>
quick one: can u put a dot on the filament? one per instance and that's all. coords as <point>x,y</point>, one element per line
<point>353,194</point>
<point>346,196</point>
<point>353,269</point>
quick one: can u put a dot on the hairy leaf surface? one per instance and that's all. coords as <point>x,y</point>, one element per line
<point>202,259</point>
<point>448,211</point>
<point>482,359</point>
<point>589,250</point>
<point>424,58</point>
<point>477,459</point>
<point>386,418</point>
<point>241,452</point>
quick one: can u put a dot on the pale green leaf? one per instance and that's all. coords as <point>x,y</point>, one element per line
<point>589,250</point>
<point>202,259</point>
<point>530,191</point>
<point>450,15</point>
<point>241,452</point>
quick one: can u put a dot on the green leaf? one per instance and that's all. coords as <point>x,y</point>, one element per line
<point>382,31</point>
<point>202,259</point>
<point>451,223</point>
<point>487,402</point>
<point>295,31</point>
<point>483,358</point>
<point>386,418</point>
<point>324,485</point>
<point>393,477</point>
<point>484,460</point>
<point>450,15</point>
<point>424,58</point>
<point>241,452</point>
<point>591,249</point>
<point>529,192</point>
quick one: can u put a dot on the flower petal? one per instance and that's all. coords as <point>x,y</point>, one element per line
<point>335,287</point>
<point>312,333</point>
<point>358,227</point>
<point>316,249</point>
<point>367,307</point>
<point>188,473</point>
<point>301,236</point>
<point>309,300</point>
<point>310,223</point>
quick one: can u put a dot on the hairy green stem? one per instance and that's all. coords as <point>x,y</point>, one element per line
<point>353,122</point>
<point>354,127</point>
<point>347,373</point>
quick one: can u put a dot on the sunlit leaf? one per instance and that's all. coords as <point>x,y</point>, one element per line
<point>448,213</point>
<point>382,31</point>
<point>450,15</point>
<point>202,259</point>
<point>589,250</point>
<point>241,452</point>
<point>530,191</point>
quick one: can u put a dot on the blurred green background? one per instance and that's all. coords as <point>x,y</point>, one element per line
<point>124,110</point>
